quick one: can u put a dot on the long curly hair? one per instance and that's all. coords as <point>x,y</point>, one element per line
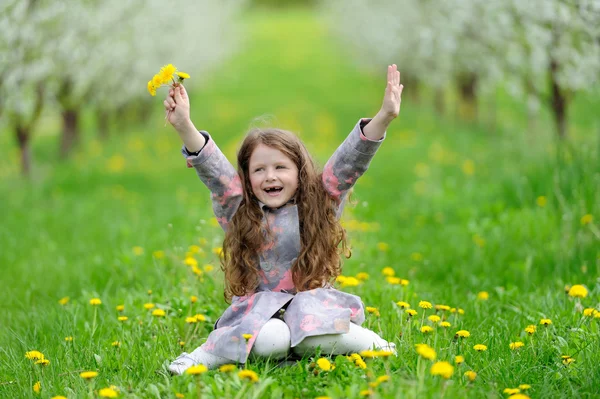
<point>322,237</point>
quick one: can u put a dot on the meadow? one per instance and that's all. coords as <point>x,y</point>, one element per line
<point>490,235</point>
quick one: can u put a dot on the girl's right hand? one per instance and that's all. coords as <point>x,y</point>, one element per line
<point>177,105</point>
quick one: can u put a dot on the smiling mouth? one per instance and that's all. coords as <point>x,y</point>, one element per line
<point>273,191</point>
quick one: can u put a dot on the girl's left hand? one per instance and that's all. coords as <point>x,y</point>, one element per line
<point>393,93</point>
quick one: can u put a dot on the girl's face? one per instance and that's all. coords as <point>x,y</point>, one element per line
<point>273,176</point>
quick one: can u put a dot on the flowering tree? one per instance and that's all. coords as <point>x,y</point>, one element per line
<point>545,49</point>
<point>100,54</point>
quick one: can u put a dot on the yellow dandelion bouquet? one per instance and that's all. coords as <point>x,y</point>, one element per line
<point>167,76</point>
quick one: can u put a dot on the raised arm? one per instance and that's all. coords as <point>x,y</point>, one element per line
<point>201,153</point>
<point>353,156</point>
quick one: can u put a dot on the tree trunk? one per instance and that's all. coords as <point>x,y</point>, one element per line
<point>70,133</point>
<point>103,123</point>
<point>558,102</point>
<point>23,136</point>
<point>467,88</point>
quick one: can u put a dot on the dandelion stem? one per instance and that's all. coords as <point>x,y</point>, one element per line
<point>94,321</point>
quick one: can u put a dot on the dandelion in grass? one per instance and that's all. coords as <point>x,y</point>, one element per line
<point>530,329</point>
<point>122,318</point>
<point>519,396</point>
<point>366,392</point>
<point>388,272</point>
<point>247,337</point>
<point>443,308</point>
<point>149,292</point>
<point>403,305</point>
<point>379,381</point>
<point>181,343</point>
<point>42,362</point>
<point>426,329</point>
<point>425,305</point>
<point>566,359</point>
<point>179,395</point>
<point>471,375</point>
<point>393,280</point>
<point>586,219</point>
<point>158,254</point>
<point>217,251</point>
<point>208,268</point>
<point>116,344</point>
<point>197,369</point>
<point>524,387</point>
<point>511,391</point>
<point>578,291</point>
<point>462,334</point>
<point>191,319</point>
<point>138,251</point>
<point>69,339</point>
<point>120,308</point>
<point>159,313</point>
<point>193,299</point>
<point>458,360</point>
<point>34,355</point>
<point>88,375</point>
<point>589,312</point>
<point>483,296</point>
<point>410,312</point>
<point>63,301</point>
<point>383,246</point>
<point>516,345</point>
<point>95,302</point>
<point>200,317</point>
<point>545,322</point>
<point>189,261</point>
<point>324,364</point>
<point>426,351</point>
<point>348,281</point>
<point>59,397</point>
<point>371,354</point>
<point>443,369</point>
<point>227,368</point>
<point>37,387</point>
<point>445,324</point>
<point>372,310</point>
<point>541,201</point>
<point>248,375</point>
<point>362,276</point>
<point>110,392</point>
<point>167,76</point>
<point>149,306</point>
<point>416,256</point>
<point>434,318</point>
<point>480,348</point>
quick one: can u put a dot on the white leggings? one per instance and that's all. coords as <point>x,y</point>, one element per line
<point>273,341</point>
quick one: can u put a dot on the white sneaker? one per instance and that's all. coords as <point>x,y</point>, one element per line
<point>182,363</point>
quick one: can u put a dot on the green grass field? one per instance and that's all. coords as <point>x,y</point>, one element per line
<point>454,208</point>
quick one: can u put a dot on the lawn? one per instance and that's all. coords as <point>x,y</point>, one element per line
<point>496,224</point>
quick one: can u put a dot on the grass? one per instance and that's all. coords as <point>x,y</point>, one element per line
<point>457,205</point>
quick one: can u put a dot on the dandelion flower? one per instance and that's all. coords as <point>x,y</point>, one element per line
<point>63,301</point>
<point>434,318</point>
<point>247,336</point>
<point>159,313</point>
<point>59,397</point>
<point>116,343</point>
<point>197,369</point>
<point>425,305</point>
<point>200,317</point>
<point>524,387</point>
<point>403,305</point>
<point>545,322</point>
<point>158,254</point>
<point>34,355</point>
<point>480,348</point>
<point>426,351</point>
<point>226,368</point>
<point>122,318</point>
<point>120,308</point>
<point>350,282</point>
<point>248,375</point>
<point>516,345</point>
<point>462,334</point>
<point>88,375</point>
<point>586,219</point>
<point>362,276</point>
<point>393,280</point>
<point>193,299</point>
<point>443,369</point>
<point>191,319</point>
<point>588,312</point>
<point>541,201</point>
<point>445,324</point>
<point>181,343</point>
<point>518,396</point>
<point>511,391</point>
<point>37,387</point>
<point>324,364</point>
<point>149,306</point>
<point>372,310</point>
<point>459,359</point>
<point>151,88</point>
<point>578,291</point>
<point>69,339</point>
<point>109,392</point>
<point>95,301</point>
<point>366,392</point>
<point>138,251</point>
<point>566,359</point>
<point>388,271</point>
<point>426,329</point>
<point>483,296</point>
<point>183,75</point>
<point>442,307</point>
<point>208,268</point>
<point>470,374</point>
<point>410,312</point>
<point>530,329</point>
<point>371,354</point>
<point>43,362</point>
<point>416,256</point>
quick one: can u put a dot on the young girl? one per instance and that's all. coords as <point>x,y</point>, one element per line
<point>282,238</point>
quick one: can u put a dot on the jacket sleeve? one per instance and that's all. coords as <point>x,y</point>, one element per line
<point>219,176</point>
<point>348,163</point>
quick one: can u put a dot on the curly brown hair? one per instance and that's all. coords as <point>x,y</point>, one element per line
<point>322,237</point>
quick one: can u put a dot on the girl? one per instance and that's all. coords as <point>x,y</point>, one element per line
<point>282,234</point>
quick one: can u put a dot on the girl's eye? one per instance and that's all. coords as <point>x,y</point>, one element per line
<point>258,169</point>
<point>280,167</point>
